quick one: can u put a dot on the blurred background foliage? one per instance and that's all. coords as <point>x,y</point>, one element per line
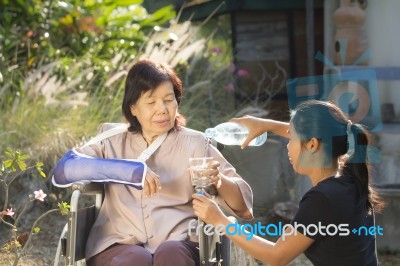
<point>63,65</point>
<point>62,71</point>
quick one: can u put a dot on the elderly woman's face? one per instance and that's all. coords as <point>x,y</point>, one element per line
<point>156,110</point>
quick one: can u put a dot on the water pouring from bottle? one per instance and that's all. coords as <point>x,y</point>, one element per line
<point>230,133</point>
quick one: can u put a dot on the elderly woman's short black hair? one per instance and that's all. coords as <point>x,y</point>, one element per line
<point>146,75</point>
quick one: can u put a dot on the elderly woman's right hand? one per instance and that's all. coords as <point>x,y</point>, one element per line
<point>254,124</point>
<point>152,183</point>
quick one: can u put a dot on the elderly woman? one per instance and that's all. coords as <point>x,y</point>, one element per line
<point>150,226</point>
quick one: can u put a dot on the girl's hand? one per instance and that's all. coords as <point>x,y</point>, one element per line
<point>255,126</point>
<point>207,210</point>
<point>152,183</point>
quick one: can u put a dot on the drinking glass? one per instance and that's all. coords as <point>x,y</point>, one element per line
<point>199,171</point>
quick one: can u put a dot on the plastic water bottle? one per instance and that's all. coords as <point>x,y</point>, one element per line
<point>233,134</point>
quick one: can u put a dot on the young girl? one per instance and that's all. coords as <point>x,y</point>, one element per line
<point>332,151</point>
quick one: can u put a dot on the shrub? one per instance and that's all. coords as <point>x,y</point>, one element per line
<point>14,165</point>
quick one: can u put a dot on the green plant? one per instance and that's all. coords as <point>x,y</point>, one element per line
<point>62,63</point>
<point>57,90</point>
<point>36,33</point>
<point>13,166</point>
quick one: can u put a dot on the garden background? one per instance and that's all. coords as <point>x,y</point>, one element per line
<point>62,70</point>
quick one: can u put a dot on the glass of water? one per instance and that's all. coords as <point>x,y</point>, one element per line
<point>199,171</point>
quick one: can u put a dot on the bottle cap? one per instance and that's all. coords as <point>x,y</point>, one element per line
<point>210,132</point>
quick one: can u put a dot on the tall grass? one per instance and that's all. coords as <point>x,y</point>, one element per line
<point>63,102</point>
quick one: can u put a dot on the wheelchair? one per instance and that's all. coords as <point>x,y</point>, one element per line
<point>214,250</point>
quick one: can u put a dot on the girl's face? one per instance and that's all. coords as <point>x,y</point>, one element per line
<point>306,157</point>
<point>294,148</point>
<point>156,111</point>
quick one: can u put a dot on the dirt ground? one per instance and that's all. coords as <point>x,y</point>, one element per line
<point>44,256</point>
<point>43,247</point>
<point>42,253</point>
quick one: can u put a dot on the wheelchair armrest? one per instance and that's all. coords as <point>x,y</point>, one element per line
<point>88,188</point>
<point>81,220</point>
<point>214,249</point>
<point>226,247</point>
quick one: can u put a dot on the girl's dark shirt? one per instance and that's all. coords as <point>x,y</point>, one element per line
<point>336,204</point>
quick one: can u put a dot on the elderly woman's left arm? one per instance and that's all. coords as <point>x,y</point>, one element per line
<point>234,194</point>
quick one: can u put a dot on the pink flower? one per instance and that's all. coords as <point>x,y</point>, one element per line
<point>232,66</point>
<point>216,50</point>
<point>242,73</point>
<point>39,195</point>
<point>230,87</point>
<point>8,212</point>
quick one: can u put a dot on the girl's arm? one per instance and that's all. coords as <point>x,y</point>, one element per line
<point>258,126</point>
<point>280,253</point>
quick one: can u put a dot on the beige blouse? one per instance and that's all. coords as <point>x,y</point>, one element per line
<point>128,216</point>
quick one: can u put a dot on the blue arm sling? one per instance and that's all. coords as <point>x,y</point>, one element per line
<point>75,167</point>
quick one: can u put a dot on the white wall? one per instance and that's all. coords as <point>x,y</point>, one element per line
<point>382,27</point>
<point>383,31</point>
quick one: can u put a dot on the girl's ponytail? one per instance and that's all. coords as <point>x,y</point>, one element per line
<point>357,164</point>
